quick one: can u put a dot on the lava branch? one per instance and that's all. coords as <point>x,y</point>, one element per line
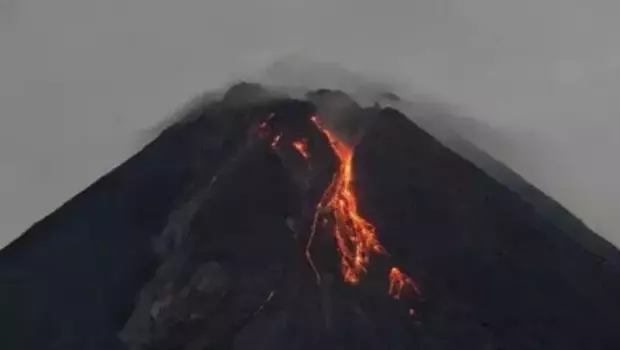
<point>356,238</point>
<point>317,215</point>
<point>400,283</point>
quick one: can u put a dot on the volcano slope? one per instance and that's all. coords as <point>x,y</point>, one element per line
<point>265,222</point>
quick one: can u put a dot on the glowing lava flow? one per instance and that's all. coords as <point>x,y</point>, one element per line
<point>356,238</point>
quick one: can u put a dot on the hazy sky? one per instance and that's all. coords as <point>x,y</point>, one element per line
<point>80,79</point>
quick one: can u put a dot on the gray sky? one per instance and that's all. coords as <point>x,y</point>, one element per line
<point>81,79</point>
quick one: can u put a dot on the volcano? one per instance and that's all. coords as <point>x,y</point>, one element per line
<point>262,221</point>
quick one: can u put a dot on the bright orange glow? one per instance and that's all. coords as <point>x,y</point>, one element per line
<point>302,148</point>
<point>355,236</point>
<point>400,283</point>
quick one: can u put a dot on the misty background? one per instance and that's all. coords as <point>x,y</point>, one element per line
<point>83,83</point>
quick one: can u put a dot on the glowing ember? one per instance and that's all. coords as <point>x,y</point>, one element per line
<point>262,129</point>
<point>302,148</point>
<point>275,141</point>
<point>400,283</point>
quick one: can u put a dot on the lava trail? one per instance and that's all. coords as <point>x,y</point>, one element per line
<point>356,237</point>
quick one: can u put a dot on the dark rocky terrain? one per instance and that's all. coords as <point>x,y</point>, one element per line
<point>199,242</point>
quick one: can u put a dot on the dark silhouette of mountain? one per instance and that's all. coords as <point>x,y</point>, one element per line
<point>199,241</point>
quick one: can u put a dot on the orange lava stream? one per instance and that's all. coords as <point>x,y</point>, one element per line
<point>355,237</point>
